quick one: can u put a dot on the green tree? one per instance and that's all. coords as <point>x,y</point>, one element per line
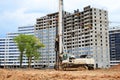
<point>32,48</point>
<point>21,42</point>
<point>28,45</point>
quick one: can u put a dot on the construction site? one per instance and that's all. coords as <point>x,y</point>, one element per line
<point>79,49</point>
<point>34,74</point>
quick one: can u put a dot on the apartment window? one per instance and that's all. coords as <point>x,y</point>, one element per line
<point>95,28</point>
<point>106,41</point>
<point>105,28</point>
<point>106,44</point>
<point>91,31</point>
<point>105,21</point>
<point>95,24</point>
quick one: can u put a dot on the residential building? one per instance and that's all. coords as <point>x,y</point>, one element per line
<point>2,51</point>
<point>85,32</point>
<point>114,36</point>
<point>45,29</point>
<point>9,51</point>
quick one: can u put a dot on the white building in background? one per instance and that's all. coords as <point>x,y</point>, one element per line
<point>2,51</point>
<point>9,53</point>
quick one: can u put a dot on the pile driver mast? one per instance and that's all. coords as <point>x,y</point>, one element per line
<point>59,39</point>
<point>60,26</point>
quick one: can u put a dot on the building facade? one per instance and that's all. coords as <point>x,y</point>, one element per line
<point>2,51</point>
<point>9,52</point>
<point>114,36</point>
<point>85,32</point>
<point>45,29</point>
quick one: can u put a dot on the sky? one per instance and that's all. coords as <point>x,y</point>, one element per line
<point>17,13</point>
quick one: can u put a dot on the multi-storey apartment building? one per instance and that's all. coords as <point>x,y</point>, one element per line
<point>114,36</point>
<point>29,30</point>
<point>45,29</point>
<point>84,32</point>
<point>2,51</point>
<point>9,52</point>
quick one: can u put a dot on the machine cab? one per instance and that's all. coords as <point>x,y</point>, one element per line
<point>68,57</point>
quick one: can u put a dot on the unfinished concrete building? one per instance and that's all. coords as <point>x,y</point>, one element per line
<point>85,32</point>
<point>45,29</point>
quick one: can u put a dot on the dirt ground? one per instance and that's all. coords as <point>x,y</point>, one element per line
<point>35,74</point>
